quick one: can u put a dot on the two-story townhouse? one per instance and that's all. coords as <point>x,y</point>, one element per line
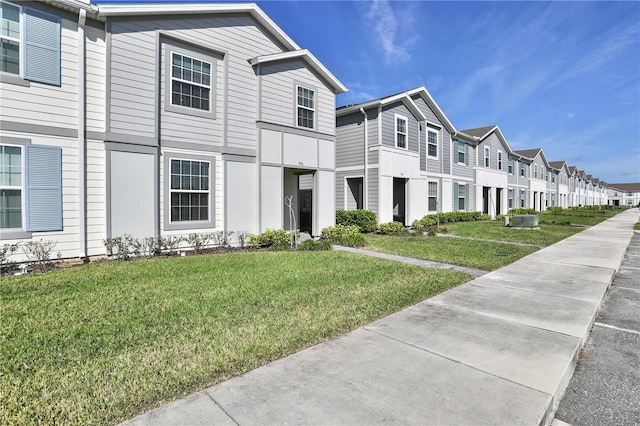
<point>624,194</point>
<point>537,177</point>
<point>590,190</point>
<point>463,173</point>
<point>378,158</point>
<point>159,119</point>
<point>491,175</point>
<point>561,186</point>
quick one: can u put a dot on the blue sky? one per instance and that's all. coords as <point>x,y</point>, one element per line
<point>562,76</point>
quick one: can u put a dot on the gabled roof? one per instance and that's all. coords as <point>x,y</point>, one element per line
<point>173,9</point>
<point>311,60</point>
<point>625,187</point>
<point>403,97</point>
<point>529,153</point>
<point>480,132</point>
<point>557,164</point>
<point>424,93</point>
<point>572,169</point>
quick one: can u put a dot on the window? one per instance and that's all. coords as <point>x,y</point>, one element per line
<point>30,189</point>
<point>523,199</point>
<point>487,153</point>
<point>553,178</point>
<point>510,199</point>
<point>401,131</point>
<point>306,107</point>
<point>190,82</point>
<point>433,196</point>
<point>29,44</point>
<point>499,160</point>
<point>462,148</point>
<point>535,171</point>
<point>432,142</point>
<point>189,190</point>
<point>523,169</point>
<point>461,196</point>
<point>10,187</point>
<point>510,165</point>
<point>9,38</point>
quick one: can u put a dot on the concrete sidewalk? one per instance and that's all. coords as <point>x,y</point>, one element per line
<point>497,350</point>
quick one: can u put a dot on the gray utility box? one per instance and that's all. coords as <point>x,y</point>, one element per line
<point>525,221</point>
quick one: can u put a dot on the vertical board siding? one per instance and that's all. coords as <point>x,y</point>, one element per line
<point>373,189</point>
<point>279,81</point>
<point>350,140</point>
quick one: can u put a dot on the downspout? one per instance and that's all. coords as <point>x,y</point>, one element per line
<point>82,142</point>
<point>365,182</point>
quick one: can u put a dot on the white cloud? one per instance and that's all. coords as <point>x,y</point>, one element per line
<point>385,24</point>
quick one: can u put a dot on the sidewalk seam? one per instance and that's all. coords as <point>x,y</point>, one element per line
<point>222,408</point>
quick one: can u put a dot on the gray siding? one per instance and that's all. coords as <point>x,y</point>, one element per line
<point>459,169</point>
<point>388,126</point>
<point>279,81</point>
<point>133,72</point>
<point>446,151</point>
<point>350,140</point>
<point>372,190</point>
<point>340,186</point>
<point>494,145</point>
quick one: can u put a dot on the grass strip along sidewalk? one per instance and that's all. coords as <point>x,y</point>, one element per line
<point>105,342</point>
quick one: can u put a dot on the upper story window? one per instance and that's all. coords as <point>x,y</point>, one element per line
<point>487,153</point>
<point>553,178</point>
<point>9,38</point>
<point>462,151</point>
<point>190,82</point>
<point>10,187</point>
<point>432,142</point>
<point>29,44</point>
<point>510,163</point>
<point>535,171</point>
<point>306,107</point>
<point>401,131</point>
<point>523,169</point>
<point>499,160</point>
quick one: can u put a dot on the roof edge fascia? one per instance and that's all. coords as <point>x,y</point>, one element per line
<point>310,59</point>
<point>400,97</point>
<point>146,9</point>
<point>433,104</point>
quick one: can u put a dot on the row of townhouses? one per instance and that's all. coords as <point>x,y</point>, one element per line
<point>167,119</point>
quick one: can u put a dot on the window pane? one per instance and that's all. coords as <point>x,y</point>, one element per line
<point>10,22</point>
<point>10,208</point>
<point>9,57</point>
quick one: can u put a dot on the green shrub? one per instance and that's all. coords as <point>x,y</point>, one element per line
<point>554,209</point>
<point>275,238</point>
<point>392,228</point>
<point>346,235</point>
<point>365,220</point>
<point>6,251</point>
<point>312,245</point>
<point>433,219</point>
<point>521,211</point>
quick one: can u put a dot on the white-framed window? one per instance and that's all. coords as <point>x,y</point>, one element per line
<point>553,177</point>
<point>535,171</point>
<point>510,164</point>
<point>29,44</point>
<point>433,196</point>
<point>510,198</point>
<point>487,156</point>
<point>11,205</point>
<point>190,82</point>
<point>432,142</point>
<point>10,38</point>
<point>461,197</point>
<point>462,150</point>
<point>305,111</point>
<point>499,160</point>
<point>523,169</point>
<point>401,131</point>
<point>190,190</point>
<point>523,199</point>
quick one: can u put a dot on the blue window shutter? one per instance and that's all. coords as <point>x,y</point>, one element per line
<point>41,47</point>
<point>466,154</point>
<point>455,197</point>
<point>466,198</point>
<point>43,188</point>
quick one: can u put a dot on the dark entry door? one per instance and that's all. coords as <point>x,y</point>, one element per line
<point>305,202</point>
<point>485,199</point>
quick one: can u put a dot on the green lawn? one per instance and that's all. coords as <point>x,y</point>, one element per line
<point>102,343</point>
<point>484,255</point>
<point>495,230</point>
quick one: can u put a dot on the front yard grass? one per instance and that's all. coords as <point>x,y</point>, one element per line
<point>102,343</point>
<point>483,255</point>
<point>495,230</point>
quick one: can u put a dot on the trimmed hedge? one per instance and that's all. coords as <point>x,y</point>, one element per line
<point>521,211</point>
<point>276,239</point>
<point>365,220</point>
<point>392,228</point>
<point>432,219</point>
<point>346,235</point>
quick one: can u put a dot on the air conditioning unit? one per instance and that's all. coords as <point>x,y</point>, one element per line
<point>529,221</point>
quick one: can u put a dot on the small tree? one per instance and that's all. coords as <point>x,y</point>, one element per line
<point>293,227</point>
